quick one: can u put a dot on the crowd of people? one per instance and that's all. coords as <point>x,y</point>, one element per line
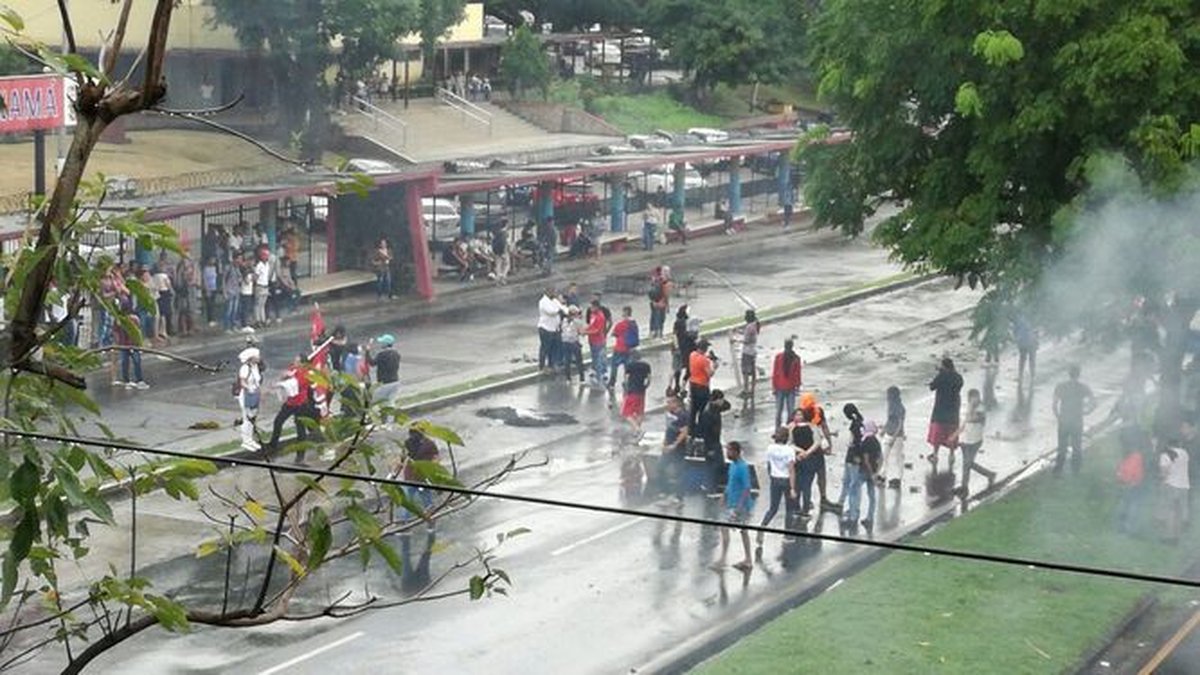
<point>802,442</point>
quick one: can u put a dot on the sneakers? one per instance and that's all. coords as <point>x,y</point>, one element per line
<point>248,329</point>
<point>827,505</point>
<point>140,385</point>
<point>118,383</point>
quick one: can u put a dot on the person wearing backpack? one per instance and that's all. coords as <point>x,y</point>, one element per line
<point>625,338</point>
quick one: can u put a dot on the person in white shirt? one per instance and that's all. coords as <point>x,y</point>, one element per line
<point>262,287</point>
<point>1173,465</point>
<point>970,440</point>
<point>550,315</point>
<point>249,395</point>
<point>781,470</point>
<point>572,351</point>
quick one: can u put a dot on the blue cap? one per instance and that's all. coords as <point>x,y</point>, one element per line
<point>387,339</point>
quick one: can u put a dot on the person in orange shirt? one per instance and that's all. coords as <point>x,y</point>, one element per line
<point>701,365</point>
<point>816,416</point>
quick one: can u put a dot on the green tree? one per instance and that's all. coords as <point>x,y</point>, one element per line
<point>13,62</point>
<point>297,38</point>
<point>570,15</point>
<point>980,122</point>
<point>53,482</point>
<point>523,64</point>
<point>729,41</point>
<point>436,17</point>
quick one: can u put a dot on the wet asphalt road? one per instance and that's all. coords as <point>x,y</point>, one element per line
<point>598,593</point>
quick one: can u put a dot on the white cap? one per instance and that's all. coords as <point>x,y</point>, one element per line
<point>248,353</point>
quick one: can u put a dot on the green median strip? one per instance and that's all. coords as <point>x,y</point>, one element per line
<point>911,613</point>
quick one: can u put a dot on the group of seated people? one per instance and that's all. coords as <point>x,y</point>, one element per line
<point>473,256</point>
<point>481,255</point>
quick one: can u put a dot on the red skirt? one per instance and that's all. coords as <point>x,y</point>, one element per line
<point>943,434</point>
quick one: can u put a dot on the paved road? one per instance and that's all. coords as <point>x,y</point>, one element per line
<point>605,593</point>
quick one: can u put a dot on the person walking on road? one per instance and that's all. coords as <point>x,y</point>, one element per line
<point>810,458</point>
<point>1173,466</point>
<point>893,443</point>
<point>381,264</point>
<point>131,356</point>
<point>674,454</point>
<point>781,471</point>
<point>815,416</point>
<point>872,459</point>
<point>739,504</point>
<point>708,428</point>
<point>231,283</point>
<point>851,478</point>
<point>1072,400</point>
<point>625,338</point>
<point>684,344</point>
<point>597,335</point>
<point>1131,474</point>
<point>249,383</point>
<point>637,381</point>
<point>387,368</point>
<point>297,403</point>
<point>701,365</point>
<point>943,421</point>
<point>262,286</point>
<point>750,354</point>
<point>572,324</point>
<point>971,441</point>
<point>550,314</point>
<point>660,299</point>
<point>786,381</point>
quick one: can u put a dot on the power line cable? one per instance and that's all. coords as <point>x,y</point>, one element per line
<point>1030,563</point>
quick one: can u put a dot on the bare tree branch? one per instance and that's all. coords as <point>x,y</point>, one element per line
<point>206,367</point>
<point>110,59</point>
<point>68,30</point>
<point>202,112</point>
<point>200,119</point>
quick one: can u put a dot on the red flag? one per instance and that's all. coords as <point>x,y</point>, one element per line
<point>317,325</point>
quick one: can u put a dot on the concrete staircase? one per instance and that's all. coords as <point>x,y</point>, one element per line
<point>433,131</point>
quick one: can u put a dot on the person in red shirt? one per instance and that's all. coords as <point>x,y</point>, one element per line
<point>786,381</point>
<point>298,404</point>
<point>597,332</point>
<point>625,338</point>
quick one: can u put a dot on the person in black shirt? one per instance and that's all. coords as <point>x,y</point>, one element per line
<point>943,421</point>
<point>708,428</point>
<point>685,344</point>
<point>637,381</point>
<point>387,367</point>
<point>1072,399</point>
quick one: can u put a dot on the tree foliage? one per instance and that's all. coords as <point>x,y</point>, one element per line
<point>570,15</point>
<point>523,64</point>
<point>55,483</point>
<point>729,41</point>
<point>981,120</point>
<point>436,17</point>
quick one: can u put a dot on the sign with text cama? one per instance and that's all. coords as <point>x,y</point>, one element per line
<point>36,102</point>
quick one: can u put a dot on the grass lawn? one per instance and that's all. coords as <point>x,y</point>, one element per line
<point>643,113</point>
<point>917,614</point>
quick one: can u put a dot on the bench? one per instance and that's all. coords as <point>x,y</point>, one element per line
<point>614,242</point>
<point>706,227</point>
<point>336,281</point>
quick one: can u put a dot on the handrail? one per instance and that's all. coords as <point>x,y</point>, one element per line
<point>376,114</point>
<point>467,108</point>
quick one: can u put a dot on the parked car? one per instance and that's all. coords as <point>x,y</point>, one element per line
<point>441,218</point>
<point>371,167</point>
<point>604,53</point>
<point>709,135</point>
<point>648,142</point>
<point>664,176</point>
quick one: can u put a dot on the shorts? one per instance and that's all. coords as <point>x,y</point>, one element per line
<point>748,364</point>
<point>943,434</point>
<point>737,516</point>
<point>634,405</point>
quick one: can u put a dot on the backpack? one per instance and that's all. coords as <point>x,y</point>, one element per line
<point>631,335</point>
<point>656,290</point>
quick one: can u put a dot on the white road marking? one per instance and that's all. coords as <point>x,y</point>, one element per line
<point>308,655</point>
<point>834,585</point>
<point>599,535</point>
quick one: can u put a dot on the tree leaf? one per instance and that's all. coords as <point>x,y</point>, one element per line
<point>365,524</point>
<point>400,498</point>
<point>70,485</point>
<point>389,555</point>
<point>295,565</point>
<point>208,548</point>
<point>477,587</point>
<point>320,537</point>
<point>14,20</point>
<point>439,433</point>
<point>96,504</point>
<point>170,614</point>
<point>25,482</point>
<point>255,509</point>
<point>23,534</point>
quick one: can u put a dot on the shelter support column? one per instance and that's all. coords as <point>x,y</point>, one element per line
<point>422,266</point>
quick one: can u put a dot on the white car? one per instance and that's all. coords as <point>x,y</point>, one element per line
<point>604,53</point>
<point>441,218</point>
<point>709,135</point>
<point>648,142</point>
<point>664,177</point>
<point>371,167</point>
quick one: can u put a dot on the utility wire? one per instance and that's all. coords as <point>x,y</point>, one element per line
<point>596,508</point>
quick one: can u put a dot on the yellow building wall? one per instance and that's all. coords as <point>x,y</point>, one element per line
<point>469,29</point>
<point>93,19</point>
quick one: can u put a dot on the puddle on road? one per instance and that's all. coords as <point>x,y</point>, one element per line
<point>521,417</point>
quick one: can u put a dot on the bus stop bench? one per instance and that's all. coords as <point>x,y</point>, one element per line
<point>325,284</point>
